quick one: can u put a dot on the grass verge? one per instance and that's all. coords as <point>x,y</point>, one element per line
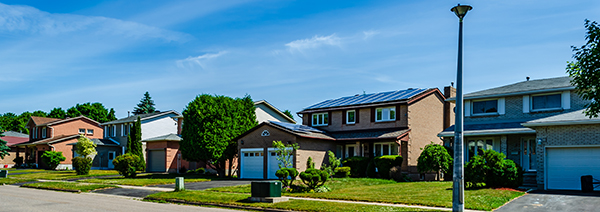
<point>64,175</point>
<point>233,199</point>
<point>13,170</point>
<point>68,186</point>
<point>145,180</point>
<point>8,181</point>
<point>438,194</point>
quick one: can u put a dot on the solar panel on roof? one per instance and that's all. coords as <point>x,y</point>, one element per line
<point>368,98</point>
<point>297,127</point>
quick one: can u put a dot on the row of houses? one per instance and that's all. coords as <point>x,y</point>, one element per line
<point>539,124</point>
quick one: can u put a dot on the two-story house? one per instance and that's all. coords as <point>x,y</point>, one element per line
<point>388,123</point>
<point>50,134</point>
<point>503,119</point>
<point>12,139</point>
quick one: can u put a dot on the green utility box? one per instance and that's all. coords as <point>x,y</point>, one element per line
<point>266,189</point>
<point>4,174</point>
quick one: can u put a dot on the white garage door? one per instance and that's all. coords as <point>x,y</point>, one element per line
<point>156,163</point>
<point>567,165</point>
<point>252,164</point>
<point>273,165</point>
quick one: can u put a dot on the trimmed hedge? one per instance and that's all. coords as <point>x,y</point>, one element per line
<point>52,159</point>
<point>358,165</point>
<point>385,163</point>
<point>493,170</point>
<point>314,178</point>
<point>128,164</point>
<point>287,175</point>
<point>342,172</point>
<point>82,165</point>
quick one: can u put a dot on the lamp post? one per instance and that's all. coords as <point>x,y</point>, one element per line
<point>458,185</point>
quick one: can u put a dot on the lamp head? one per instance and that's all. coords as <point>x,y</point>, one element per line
<point>461,10</point>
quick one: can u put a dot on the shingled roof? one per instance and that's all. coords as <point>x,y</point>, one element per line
<point>142,117</point>
<point>525,87</point>
<point>367,99</point>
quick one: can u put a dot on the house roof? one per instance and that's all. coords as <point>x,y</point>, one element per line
<point>294,129</point>
<point>43,121</point>
<point>371,134</point>
<point>50,140</point>
<point>142,117</point>
<point>489,128</point>
<point>382,97</point>
<point>570,118</point>
<point>274,109</point>
<point>521,88</point>
<point>14,134</point>
<point>13,138</point>
<point>168,137</point>
<point>100,142</point>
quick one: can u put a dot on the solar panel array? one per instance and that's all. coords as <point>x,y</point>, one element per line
<point>297,127</point>
<point>368,98</point>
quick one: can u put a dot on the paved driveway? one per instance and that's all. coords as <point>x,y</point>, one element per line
<point>544,201</point>
<point>208,184</point>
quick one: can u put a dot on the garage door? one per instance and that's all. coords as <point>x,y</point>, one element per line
<point>567,165</point>
<point>252,164</point>
<point>156,162</point>
<point>273,165</point>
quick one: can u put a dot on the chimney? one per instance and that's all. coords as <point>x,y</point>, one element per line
<point>128,112</point>
<point>449,92</point>
<point>179,124</point>
<point>527,78</point>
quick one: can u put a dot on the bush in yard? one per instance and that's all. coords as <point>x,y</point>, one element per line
<point>334,162</point>
<point>342,172</point>
<point>18,161</point>
<point>385,163</point>
<point>475,171</point>
<point>82,165</point>
<point>127,164</point>
<point>494,170</point>
<point>287,176</point>
<point>358,165</point>
<point>309,163</point>
<point>314,178</point>
<point>52,159</point>
<point>434,158</point>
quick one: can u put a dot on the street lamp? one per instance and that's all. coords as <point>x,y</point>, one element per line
<point>458,185</point>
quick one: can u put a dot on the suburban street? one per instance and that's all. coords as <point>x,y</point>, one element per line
<point>14,198</point>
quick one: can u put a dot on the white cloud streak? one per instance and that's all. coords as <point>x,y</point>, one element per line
<point>201,60</point>
<point>314,42</point>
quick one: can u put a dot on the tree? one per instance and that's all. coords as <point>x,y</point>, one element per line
<point>434,158</point>
<point>85,147</point>
<point>145,106</point>
<point>52,159</point>
<point>288,113</point>
<point>95,111</point>
<point>57,113</point>
<point>211,124</point>
<point>585,70</point>
<point>3,147</point>
<point>285,154</point>
<point>39,113</point>
<point>134,144</point>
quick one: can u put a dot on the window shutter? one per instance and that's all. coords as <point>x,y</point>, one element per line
<point>525,103</point>
<point>328,118</point>
<point>501,106</point>
<point>356,115</point>
<point>467,105</point>
<point>344,113</point>
<point>566,100</point>
<point>397,112</point>
<point>372,114</point>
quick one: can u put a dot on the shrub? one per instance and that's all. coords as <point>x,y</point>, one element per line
<point>358,165</point>
<point>385,163</point>
<point>314,178</point>
<point>310,164</point>
<point>434,158</point>
<point>52,159</point>
<point>200,171</point>
<point>493,170</point>
<point>82,165</point>
<point>183,170</point>
<point>18,161</point>
<point>334,162</point>
<point>287,176</point>
<point>128,164</point>
<point>342,172</point>
<point>396,174</point>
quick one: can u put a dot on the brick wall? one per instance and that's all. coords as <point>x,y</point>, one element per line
<point>316,149</point>
<point>72,128</point>
<point>364,120</point>
<point>425,120</point>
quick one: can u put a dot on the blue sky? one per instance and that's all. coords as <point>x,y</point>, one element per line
<point>290,53</point>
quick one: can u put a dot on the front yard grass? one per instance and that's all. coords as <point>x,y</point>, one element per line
<point>64,175</point>
<point>146,180</point>
<point>68,186</point>
<point>10,180</point>
<point>296,205</point>
<point>437,194</point>
<point>13,170</point>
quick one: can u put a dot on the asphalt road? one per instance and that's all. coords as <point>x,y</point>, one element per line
<point>547,201</point>
<point>13,198</point>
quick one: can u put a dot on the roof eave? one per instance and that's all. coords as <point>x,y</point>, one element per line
<point>557,123</point>
<point>453,99</point>
<point>404,101</point>
<point>487,132</point>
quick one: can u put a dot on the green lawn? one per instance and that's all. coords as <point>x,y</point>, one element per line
<point>11,180</point>
<point>145,180</point>
<point>297,205</point>
<point>416,193</point>
<point>69,186</point>
<point>63,175</point>
<point>13,170</point>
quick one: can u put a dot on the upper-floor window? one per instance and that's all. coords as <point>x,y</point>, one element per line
<point>81,131</point>
<point>351,117</point>
<point>320,119</point>
<point>485,107</point>
<point>546,102</point>
<point>385,114</point>
<point>44,132</point>
<point>114,131</point>
<point>90,131</point>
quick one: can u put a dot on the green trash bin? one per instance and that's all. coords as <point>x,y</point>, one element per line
<point>266,189</point>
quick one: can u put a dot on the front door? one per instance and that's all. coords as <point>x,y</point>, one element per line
<point>529,154</point>
<point>111,157</point>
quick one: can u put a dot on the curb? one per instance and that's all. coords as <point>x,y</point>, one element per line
<point>219,205</point>
<point>54,189</point>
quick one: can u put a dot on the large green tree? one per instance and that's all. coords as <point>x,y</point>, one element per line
<point>434,158</point>
<point>134,143</point>
<point>585,70</point>
<point>95,111</point>
<point>57,113</point>
<point>3,147</point>
<point>145,106</point>
<point>211,124</point>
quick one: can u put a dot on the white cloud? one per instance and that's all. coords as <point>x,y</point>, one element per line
<point>314,42</point>
<point>369,34</point>
<point>15,19</point>
<point>198,60</point>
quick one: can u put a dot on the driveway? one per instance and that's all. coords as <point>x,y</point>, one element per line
<point>207,184</point>
<point>544,201</point>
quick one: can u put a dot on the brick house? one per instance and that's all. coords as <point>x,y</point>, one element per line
<point>49,134</point>
<point>12,138</point>
<point>388,123</point>
<point>496,119</point>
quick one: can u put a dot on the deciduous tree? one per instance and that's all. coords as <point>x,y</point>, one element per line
<point>434,158</point>
<point>585,70</point>
<point>57,113</point>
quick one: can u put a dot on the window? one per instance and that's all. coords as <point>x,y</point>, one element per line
<point>477,146</point>
<point>350,117</point>
<point>385,149</point>
<point>81,131</point>
<point>90,131</point>
<point>44,132</point>
<point>546,102</point>
<point>114,131</point>
<point>485,107</point>
<point>320,119</point>
<point>385,114</point>
<point>350,151</point>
